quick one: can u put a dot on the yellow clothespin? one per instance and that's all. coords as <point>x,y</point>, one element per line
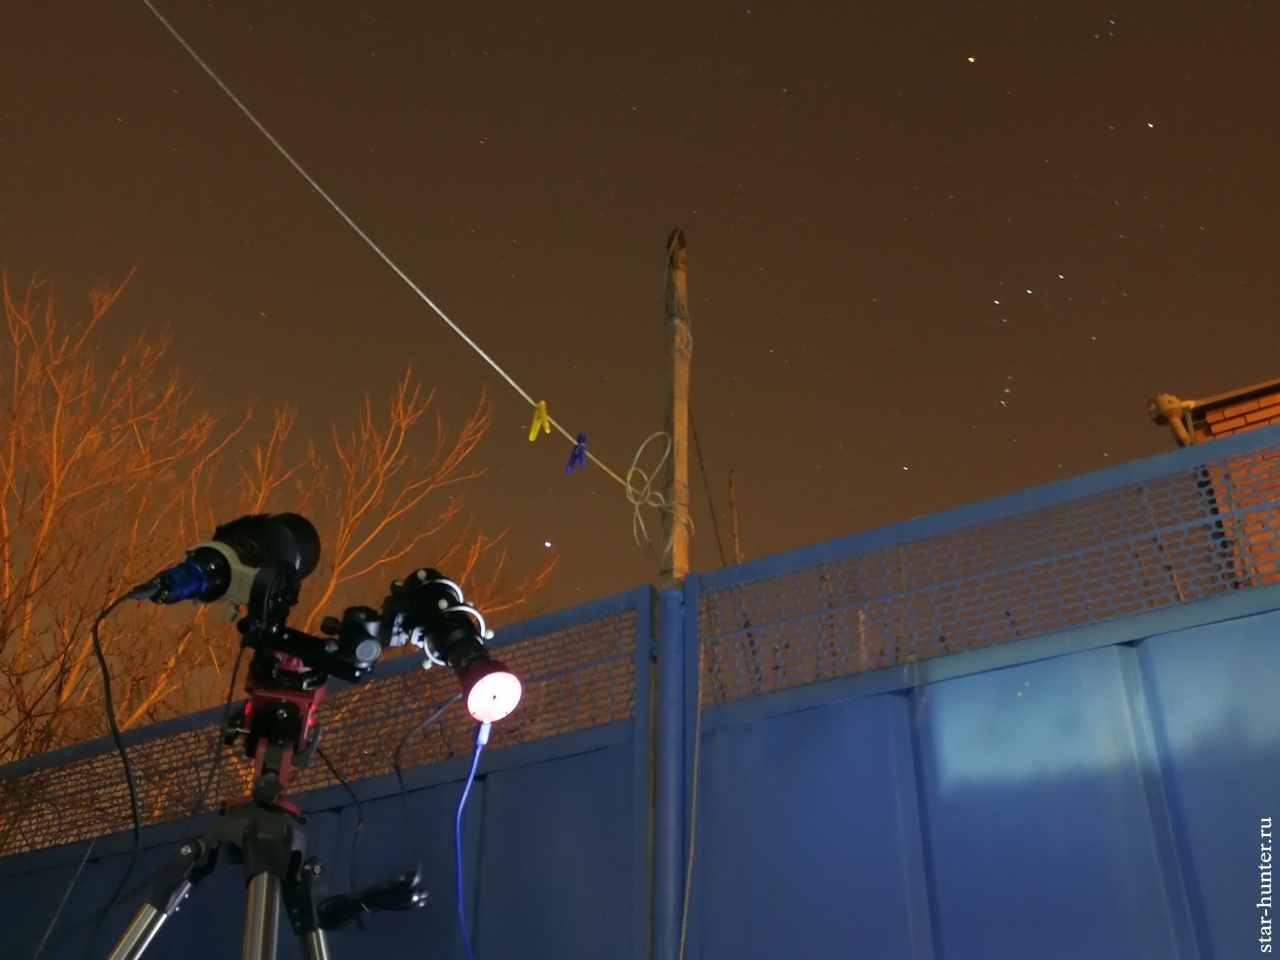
<point>540,419</point>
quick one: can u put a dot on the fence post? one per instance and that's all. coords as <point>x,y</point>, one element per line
<point>669,762</point>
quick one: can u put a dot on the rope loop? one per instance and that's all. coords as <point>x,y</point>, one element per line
<point>641,492</point>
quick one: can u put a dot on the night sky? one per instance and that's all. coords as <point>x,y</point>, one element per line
<point>938,252</point>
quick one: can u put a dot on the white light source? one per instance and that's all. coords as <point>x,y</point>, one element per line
<point>491,690</point>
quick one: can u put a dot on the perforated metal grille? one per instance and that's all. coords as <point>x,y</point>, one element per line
<point>1246,489</point>
<point>1176,538</point>
<point>576,678</point>
<point>88,798</point>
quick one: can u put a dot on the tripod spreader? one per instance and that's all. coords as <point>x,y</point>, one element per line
<point>267,842</point>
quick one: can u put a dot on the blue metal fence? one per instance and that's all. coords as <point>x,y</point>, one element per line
<point>1040,726</point>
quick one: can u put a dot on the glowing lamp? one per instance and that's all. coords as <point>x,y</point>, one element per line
<point>490,690</point>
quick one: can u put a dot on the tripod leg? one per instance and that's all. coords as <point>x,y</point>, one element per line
<point>314,945</point>
<point>146,924</point>
<point>263,918</point>
<point>172,884</point>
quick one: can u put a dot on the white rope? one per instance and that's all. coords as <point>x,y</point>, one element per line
<point>643,494</point>
<point>366,238</point>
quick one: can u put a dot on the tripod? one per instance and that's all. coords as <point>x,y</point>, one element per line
<point>263,832</point>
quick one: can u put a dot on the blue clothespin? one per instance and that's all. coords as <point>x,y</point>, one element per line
<point>579,456</point>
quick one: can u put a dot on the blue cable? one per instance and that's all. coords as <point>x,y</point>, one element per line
<point>481,739</point>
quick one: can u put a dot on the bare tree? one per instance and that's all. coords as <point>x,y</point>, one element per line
<point>107,471</point>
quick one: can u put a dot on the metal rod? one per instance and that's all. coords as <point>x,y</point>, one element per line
<point>146,922</point>
<point>733,510</point>
<point>669,788</point>
<point>262,919</point>
<point>314,945</point>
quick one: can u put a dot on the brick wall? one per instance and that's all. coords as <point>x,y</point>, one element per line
<point>1243,410</point>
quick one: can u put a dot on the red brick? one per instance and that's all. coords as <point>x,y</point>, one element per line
<point>1228,426</point>
<point>1240,409</point>
<point>1213,416</point>
<point>1264,414</point>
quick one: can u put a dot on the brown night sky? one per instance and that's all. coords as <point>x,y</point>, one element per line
<point>938,251</point>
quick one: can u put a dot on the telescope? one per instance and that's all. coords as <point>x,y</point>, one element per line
<point>271,553</point>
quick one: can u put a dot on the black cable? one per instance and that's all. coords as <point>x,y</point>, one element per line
<point>401,892</point>
<point>98,918</point>
<point>355,843</point>
<point>404,792</point>
<point>124,760</point>
<point>715,524</point>
<point>73,926</point>
<point>65,897</point>
<point>218,734</point>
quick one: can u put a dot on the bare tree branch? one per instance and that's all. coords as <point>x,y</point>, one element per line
<point>108,470</point>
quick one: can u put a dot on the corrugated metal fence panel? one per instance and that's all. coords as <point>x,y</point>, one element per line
<point>1043,840</point>
<point>1102,805</point>
<point>808,839</point>
<point>556,878</point>
<point>1213,694</point>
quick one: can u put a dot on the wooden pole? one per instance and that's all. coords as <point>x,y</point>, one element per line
<point>675,522</point>
<point>733,510</point>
